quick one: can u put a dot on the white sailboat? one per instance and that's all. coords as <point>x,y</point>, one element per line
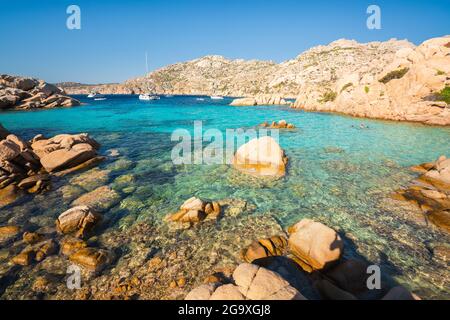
<point>147,96</point>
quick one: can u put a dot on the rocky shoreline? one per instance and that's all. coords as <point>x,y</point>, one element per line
<point>19,93</point>
<point>28,167</point>
<point>208,249</point>
<point>408,89</point>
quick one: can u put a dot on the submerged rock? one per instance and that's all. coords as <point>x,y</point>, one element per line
<point>32,237</point>
<point>92,259</point>
<point>9,232</point>
<point>71,245</point>
<point>400,293</point>
<point>261,157</point>
<point>314,245</point>
<point>99,199</point>
<point>9,195</point>
<point>35,253</point>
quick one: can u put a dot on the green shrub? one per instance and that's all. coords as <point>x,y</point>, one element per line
<point>328,96</point>
<point>366,89</point>
<point>396,74</point>
<point>444,95</point>
<point>440,73</point>
<point>348,85</point>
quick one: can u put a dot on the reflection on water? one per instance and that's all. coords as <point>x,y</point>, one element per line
<point>338,174</point>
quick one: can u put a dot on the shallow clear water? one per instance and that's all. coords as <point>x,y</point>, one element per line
<point>338,173</point>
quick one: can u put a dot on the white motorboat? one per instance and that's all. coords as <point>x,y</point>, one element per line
<point>99,99</point>
<point>95,95</point>
<point>148,97</point>
<point>216,97</point>
<point>200,99</point>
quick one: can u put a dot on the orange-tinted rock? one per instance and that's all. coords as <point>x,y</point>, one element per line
<point>91,259</point>
<point>274,246</point>
<point>71,245</point>
<point>315,245</point>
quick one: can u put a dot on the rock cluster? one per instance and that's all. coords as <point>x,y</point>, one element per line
<point>28,166</point>
<point>282,124</point>
<point>404,89</point>
<point>35,253</point>
<point>65,151</point>
<point>250,282</point>
<point>261,157</point>
<point>431,192</point>
<point>28,93</point>
<point>73,226</point>
<point>195,210</point>
<point>261,100</point>
<point>317,250</point>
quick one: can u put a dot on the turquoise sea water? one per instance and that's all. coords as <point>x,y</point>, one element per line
<point>338,173</point>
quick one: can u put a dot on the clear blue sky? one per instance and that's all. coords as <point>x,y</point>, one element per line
<point>115,35</point>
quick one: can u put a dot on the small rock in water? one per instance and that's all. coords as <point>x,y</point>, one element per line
<point>9,231</point>
<point>195,210</point>
<point>113,153</point>
<point>92,259</point>
<point>32,237</point>
<point>81,220</point>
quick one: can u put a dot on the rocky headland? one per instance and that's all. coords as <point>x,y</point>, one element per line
<point>413,86</point>
<point>21,93</point>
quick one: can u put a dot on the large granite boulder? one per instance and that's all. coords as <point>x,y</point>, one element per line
<point>261,157</point>
<point>65,151</point>
<point>314,245</point>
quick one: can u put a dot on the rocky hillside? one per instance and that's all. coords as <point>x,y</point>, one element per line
<point>316,68</point>
<point>413,86</point>
<point>82,88</point>
<point>29,93</point>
